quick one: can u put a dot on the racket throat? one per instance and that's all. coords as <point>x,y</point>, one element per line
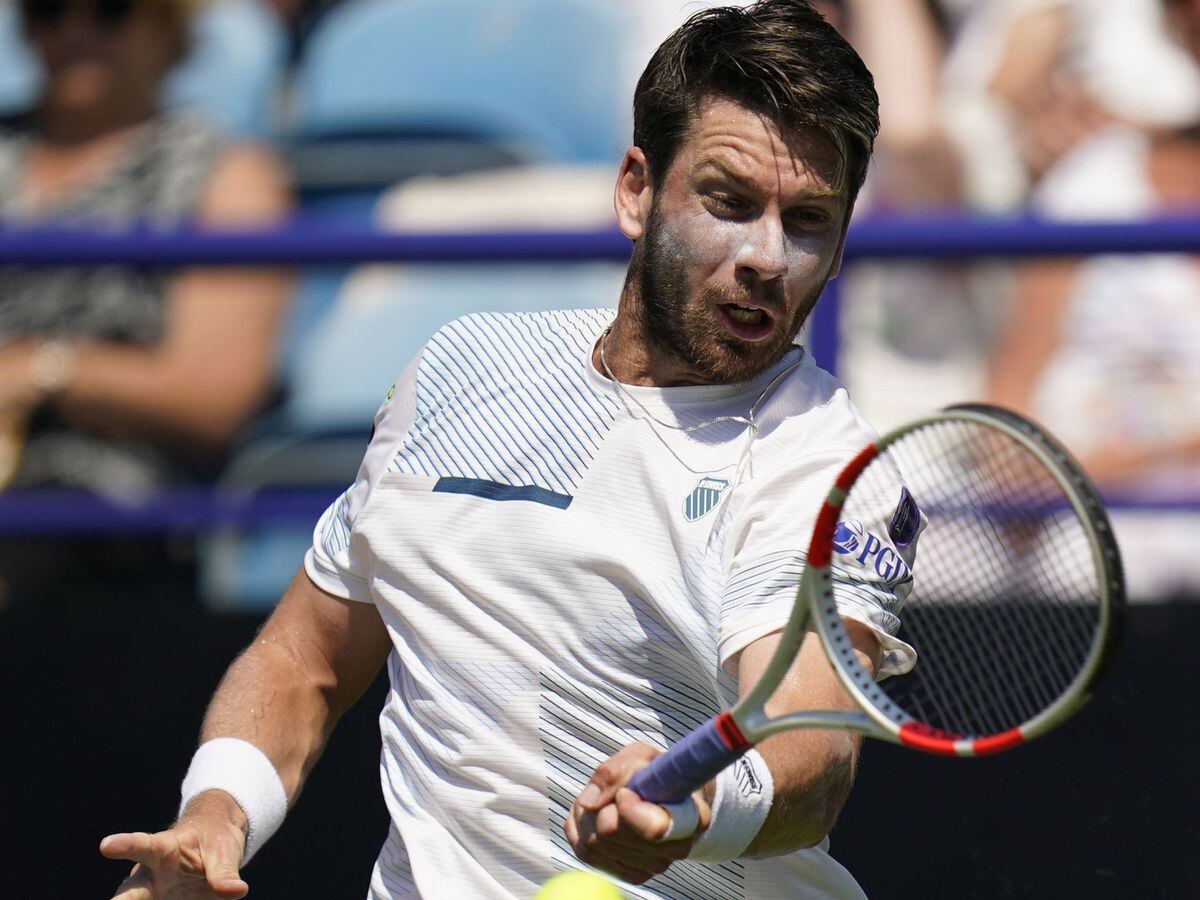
<point>837,721</point>
<point>731,733</point>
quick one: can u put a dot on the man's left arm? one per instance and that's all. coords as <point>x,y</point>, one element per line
<point>812,769</point>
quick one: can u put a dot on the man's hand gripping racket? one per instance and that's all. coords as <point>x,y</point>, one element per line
<point>1014,608</point>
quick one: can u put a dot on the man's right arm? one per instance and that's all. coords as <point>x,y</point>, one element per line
<point>310,662</point>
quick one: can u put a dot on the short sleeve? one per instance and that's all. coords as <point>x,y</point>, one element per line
<point>335,561</point>
<point>765,556</point>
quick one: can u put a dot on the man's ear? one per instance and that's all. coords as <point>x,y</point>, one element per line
<point>633,196</point>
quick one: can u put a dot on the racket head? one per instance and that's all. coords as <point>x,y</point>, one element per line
<point>1014,607</point>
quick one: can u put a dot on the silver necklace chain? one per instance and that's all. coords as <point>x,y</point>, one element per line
<point>627,395</point>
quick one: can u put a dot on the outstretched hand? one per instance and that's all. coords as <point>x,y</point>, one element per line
<point>195,859</point>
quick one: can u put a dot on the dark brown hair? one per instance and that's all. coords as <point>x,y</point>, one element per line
<point>779,58</point>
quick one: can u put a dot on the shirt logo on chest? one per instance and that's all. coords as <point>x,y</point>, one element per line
<point>703,498</point>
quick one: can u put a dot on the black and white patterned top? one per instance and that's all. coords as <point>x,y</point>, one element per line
<point>159,182</point>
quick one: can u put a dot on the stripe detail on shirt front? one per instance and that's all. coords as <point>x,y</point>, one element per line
<point>491,490</point>
<point>499,399</point>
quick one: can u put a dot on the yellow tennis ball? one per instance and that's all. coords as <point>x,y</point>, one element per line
<point>578,886</point>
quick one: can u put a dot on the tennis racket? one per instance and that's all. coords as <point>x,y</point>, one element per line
<point>1012,600</point>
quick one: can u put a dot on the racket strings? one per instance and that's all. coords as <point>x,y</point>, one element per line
<point>1016,538</point>
<point>1004,607</point>
<point>1036,634</point>
<point>974,585</point>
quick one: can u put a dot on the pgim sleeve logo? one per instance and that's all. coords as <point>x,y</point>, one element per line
<point>865,550</point>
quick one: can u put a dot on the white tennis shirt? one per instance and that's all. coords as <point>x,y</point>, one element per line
<point>562,576</point>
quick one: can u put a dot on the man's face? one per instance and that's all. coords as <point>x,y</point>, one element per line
<point>744,231</point>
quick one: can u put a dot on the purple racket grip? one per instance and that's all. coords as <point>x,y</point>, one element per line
<point>701,755</point>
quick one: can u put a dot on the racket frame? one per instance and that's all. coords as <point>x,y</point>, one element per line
<point>721,740</point>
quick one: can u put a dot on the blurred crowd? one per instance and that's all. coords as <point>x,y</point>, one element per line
<point>490,115</point>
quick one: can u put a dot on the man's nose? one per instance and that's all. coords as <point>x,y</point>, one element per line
<point>763,254</point>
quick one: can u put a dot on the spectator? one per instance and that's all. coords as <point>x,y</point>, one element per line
<point>1025,83</point>
<point>1104,348</point>
<point>917,166</point>
<point>115,380</point>
<point>1028,80</point>
<point>1106,345</point>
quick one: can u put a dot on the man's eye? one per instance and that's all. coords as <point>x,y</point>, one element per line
<point>810,217</point>
<point>726,203</point>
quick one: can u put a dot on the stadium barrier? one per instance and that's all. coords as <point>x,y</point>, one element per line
<point>309,242</point>
<point>306,242</point>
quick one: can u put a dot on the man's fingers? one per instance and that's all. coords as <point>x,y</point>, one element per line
<point>220,857</point>
<point>570,828</point>
<point>594,795</point>
<point>625,868</point>
<point>228,886</point>
<point>182,862</point>
<point>113,846</point>
<point>605,832</point>
<point>648,857</point>
<point>612,828</point>
<point>613,773</point>
<point>219,864</point>
<point>615,830</point>
<point>228,880</point>
<point>648,820</point>
<point>135,887</point>
<point>137,846</point>
<point>602,787</point>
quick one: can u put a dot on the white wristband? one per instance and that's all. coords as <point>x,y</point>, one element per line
<point>740,806</point>
<point>244,772</point>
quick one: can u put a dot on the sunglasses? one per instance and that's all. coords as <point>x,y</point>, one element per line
<point>106,13</point>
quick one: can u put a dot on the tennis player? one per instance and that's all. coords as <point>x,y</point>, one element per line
<point>575,534</point>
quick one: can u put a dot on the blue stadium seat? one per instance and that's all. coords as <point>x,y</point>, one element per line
<point>18,69</point>
<point>231,77</point>
<point>535,74</point>
<point>235,70</point>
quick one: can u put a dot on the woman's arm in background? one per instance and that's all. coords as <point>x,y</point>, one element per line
<point>215,364</point>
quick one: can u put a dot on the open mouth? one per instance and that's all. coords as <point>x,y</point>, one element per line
<point>747,323</point>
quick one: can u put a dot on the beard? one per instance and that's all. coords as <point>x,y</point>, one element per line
<point>688,329</point>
